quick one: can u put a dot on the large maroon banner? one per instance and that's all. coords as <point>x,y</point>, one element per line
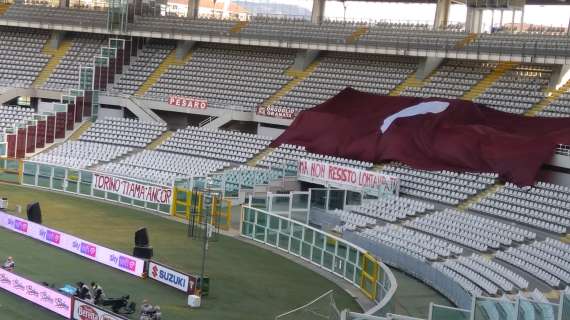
<point>429,134</point>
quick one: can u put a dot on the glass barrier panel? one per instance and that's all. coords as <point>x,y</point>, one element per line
<point>29,173</point>
<point>299,201</point>
<point>112,196</point>
<point>72,181</point>
<point>336,199</point>
<point>318,198</point>
<point>58,179</point>
<point>448,313</point>
<point>536,310</point>
<point>488,308</point>
<point>353,198</point>
<point>259,202</point>
<point>565,307</point>
<point>279,203</point>
<point>44,176</point>
<point>86,180</point>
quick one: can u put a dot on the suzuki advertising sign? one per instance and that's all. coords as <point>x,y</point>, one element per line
<point>171,277</point>
<point>111,258</point>
<point>86,311</point>
<point>36,293</point>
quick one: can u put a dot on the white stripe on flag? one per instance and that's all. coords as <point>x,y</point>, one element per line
<point>422,108</point>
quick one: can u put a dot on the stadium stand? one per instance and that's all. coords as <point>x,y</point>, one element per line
<point>336,71</point>
<point>88,18</point>
<point>229,146</point>
<point>416,244</point>
<point>505,278</point>
<point>518,89</point>
<point>226,76</point>
<point>354,220</point>
<point>558,108</point>
<point>542,206</point>
<point>539,43</point>
<point>12,115</point>
<point>454,272</point>
<point>84,47</point>
<point>543,259</point>
<point>286,157</point>
<point>21,56</point>
<point>452,79</point>
<point>231,76</point>
<point>147,61</point>
<point>179,24</point>
<point>447,187</point>
<point>127,132</point>
<point>81,154</point>
<point>392,209</point>
<point>162,167</point>
<point>472,231</point>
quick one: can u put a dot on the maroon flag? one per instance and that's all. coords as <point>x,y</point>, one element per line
<point>429,134</point>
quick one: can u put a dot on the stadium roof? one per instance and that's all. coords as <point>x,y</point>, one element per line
<point>531,2</point>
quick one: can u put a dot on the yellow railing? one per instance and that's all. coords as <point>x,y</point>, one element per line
<point>11,170</point>
<point>369,276</point>
<point>220,211</point>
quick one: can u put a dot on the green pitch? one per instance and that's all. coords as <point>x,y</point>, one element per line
<point>247,282</point>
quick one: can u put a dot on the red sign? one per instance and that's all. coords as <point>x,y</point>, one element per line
<point>277,112</point>
<point>185,102</point>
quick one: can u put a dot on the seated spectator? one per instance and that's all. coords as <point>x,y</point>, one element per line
<point>83,292</point>
<point>147,311</point>
<point>157,314</point>
<point>9,264</point>
<point>98,293</point>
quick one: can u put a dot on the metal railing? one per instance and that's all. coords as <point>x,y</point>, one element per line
<point>337,256</point>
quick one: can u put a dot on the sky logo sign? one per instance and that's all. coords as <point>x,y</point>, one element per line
<point>88,250</point>
<point>126,263</point>
<point>21,226</point>
<point>50,236</point>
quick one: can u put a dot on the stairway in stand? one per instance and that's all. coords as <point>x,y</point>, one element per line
<point>298,77</point>
<point>488,81</point>
<point>56,55</point>
<point>170,60</point>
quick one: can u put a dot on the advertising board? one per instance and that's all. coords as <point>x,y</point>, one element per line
<point>86,249</point>
<point>36,293</point>
<point>86,311</point>
<point>171,277</point>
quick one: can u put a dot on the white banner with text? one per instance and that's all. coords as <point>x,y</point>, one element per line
<point>131,189</point>
<point>332,175</point>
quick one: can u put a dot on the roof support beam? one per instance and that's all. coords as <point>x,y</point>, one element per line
<point>318,11</point>
<point>442,14</point>
<point>193,6</point>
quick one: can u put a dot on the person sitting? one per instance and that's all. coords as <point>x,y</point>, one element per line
<point>9,264</point>
<point>83,292</point>
<point>98,293</point>
<point>157,314</point>
<point>147,311</point>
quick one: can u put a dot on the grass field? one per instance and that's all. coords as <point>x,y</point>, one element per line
<point>247,282</point>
